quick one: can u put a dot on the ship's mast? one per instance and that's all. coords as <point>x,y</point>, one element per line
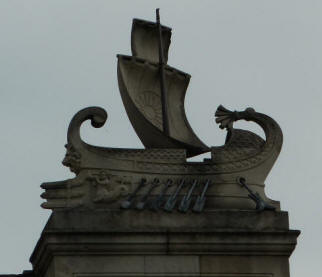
<point>164,97</point>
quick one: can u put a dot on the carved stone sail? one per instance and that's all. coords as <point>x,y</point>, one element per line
<point>145,40</point>
<point>139,83</point>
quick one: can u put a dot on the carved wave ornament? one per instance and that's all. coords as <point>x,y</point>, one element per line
<point>159,177</point>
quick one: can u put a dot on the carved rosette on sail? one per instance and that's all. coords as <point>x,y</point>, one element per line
<point>159,177</point>
<point>138,83</point>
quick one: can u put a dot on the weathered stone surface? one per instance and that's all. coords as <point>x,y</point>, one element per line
<point>103,244</point>
<point>245,266</point>
<point>133,220</point>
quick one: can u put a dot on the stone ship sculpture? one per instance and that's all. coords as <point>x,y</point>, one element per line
<point>159,177</point>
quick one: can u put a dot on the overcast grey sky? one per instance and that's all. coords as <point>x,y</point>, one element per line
<point>57,57</point>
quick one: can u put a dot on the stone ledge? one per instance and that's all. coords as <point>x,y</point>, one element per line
<point>77,234</point>
<point>132,220</point>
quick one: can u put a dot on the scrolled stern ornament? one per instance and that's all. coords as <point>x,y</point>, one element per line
<point>75,145</point>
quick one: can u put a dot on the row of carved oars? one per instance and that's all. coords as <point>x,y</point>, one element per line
<point>161,201</point>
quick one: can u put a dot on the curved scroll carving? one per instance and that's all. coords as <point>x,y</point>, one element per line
<point>98,117</point>
<point>75,145</point>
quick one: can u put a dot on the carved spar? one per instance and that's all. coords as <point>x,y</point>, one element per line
<point>173,198</point>
<point>126,204</point>
<point>186,200</point>
<point>164,97</point>
<point>143,201</point>
<point>201,200</point>
<point>157,202</point>
<point>261,205</point>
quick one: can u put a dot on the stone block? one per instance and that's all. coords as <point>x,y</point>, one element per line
<point>103,244</point>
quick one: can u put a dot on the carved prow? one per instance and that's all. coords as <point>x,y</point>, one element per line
<point>272,130</point>
<point>264,152</point>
